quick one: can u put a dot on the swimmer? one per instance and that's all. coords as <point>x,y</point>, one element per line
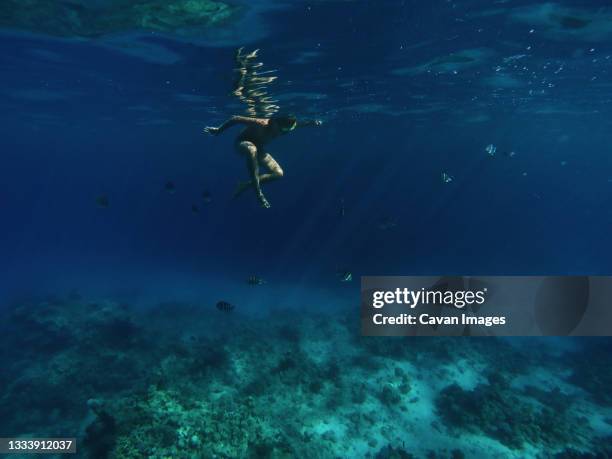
<point>251,142</point>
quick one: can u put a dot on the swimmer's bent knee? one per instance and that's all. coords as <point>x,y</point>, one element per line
<point>246,147</point>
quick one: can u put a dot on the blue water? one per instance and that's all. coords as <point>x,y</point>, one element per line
<point>406,91</point>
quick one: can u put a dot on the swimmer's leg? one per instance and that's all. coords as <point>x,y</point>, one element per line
<point>250,151</point>
<point>276,172</point>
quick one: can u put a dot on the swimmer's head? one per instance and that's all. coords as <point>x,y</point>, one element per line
<point>285,123</point>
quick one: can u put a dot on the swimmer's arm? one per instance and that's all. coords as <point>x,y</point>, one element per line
<point>233,121</point>
<point>305,123</point>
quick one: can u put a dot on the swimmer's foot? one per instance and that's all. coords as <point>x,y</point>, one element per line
<point>263,201</point>
<point>241,188</point>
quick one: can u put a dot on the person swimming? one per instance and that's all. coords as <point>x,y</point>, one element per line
<point>251,142</point>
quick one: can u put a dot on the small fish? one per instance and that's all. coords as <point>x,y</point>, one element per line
<point>206,196</point>
<point>102,201</point>
<point>224,306</point>
<point>170,188</point>
<point>491,149</point>
<point>254,280</point>
<point>345,276</point>
<point>387,223</point>
<point>446,178</point>
<point>510,154</point>
<point>195,209</point>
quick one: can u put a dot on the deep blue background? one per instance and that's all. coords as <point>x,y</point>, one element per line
<point>74,126</point>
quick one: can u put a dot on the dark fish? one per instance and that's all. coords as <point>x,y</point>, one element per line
<point>206,196</point>
<point>102,201</point>
<point>254,280</point>
<point>170,188</point>
<point>224,306</point>
<point>194,209</point>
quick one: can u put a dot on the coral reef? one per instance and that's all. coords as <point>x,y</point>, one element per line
<point>100,435</point>
<point>594,374</point>
<point>183,381</point>
<point>504,413</point>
